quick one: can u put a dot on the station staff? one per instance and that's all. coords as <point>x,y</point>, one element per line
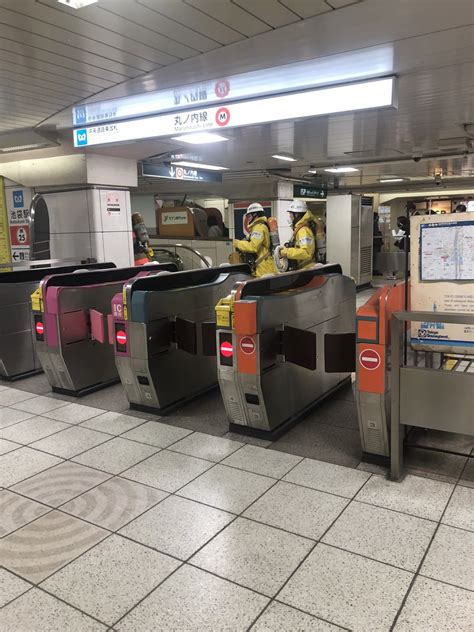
<point>301,249</point>
<point>257,246</point>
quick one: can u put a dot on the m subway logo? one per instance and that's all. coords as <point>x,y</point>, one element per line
<point>18,199</point>
<point>81,137</point>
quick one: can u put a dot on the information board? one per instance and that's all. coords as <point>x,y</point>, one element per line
<point>447,251</point>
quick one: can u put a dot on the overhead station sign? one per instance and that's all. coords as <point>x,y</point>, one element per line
<point>171,172</point>
<point>375,93</point>
<point>309,191</point>
<point>377,61</point>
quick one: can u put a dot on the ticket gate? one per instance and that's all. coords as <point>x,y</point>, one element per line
<point>73,327</point>
<point>165,342</point>
<point>284,344</point>
<point>18,356</point>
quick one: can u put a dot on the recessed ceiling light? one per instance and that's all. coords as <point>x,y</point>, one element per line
<point>312,171</point>
<point>77,4</point>
<point>341,169</point>
<point>200,138</point>
<point>199,165</point>
<point>286,157</point>
<point>391,179</point>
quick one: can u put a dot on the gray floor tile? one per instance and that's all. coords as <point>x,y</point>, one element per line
<point>450,558</point>
<point>8,446</point>
<point>435,607</point>
<point>113,423</point>
<point>74,413</point>
<point>37,611</point>
<point>71,441</point>
<point>463,444</point>
<point>177,526</point>
<point>37,384</point>
<point>327,477</point>
<point>111,578</point>
<point>235,436</point>
<point>467,477</point>
<point>167,470</point>
<point>109,398</point>
<point>20,464</point>
<point>10,396</point>
<point>116,456</point>
<point>285,619</point>
<point>346,392</point>
<point>61,483</point>
<point>384,535</point>
<point>206,446</point>
<point>373,468</point>
<point>194,600</point>
<point>336,412</point>
<point>227,488</point>
<point>460,512</point>
<point>11,587</point>
<point>436,465</point>
<point>300,510</point>
<point>321,441</point>
<point>47,544</point>
<point>262,461</point>
<point>413,495</point>
<point>157,434</point>
<point>32,430</point>
<point>254,555</point>
<point>10,416</point>
<point>38,405</point>
<point>114,503</point>
<point>347,589</point>
<point>16,511</point>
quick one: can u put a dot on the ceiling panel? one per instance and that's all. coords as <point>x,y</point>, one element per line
<point>339,4</point>
<point>194,19</point>
<point>307,8</point>
<point>229,13</point>
<point>42,81</point>
<point>269,11</point>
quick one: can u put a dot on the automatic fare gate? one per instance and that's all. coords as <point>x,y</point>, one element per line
<point>17,347</point>
<point>164,328</point>
<point>284,343</point>
<point>72,314</point>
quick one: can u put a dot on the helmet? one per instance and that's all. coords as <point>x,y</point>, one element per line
<point>297,206</point>
<point>255,207</point>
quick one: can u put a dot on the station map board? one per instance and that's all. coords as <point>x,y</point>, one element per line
<point>442,280</point>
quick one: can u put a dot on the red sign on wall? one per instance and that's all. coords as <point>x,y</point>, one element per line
<point>20,235</point>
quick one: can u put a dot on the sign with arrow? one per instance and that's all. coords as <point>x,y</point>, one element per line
<point>171,172</point>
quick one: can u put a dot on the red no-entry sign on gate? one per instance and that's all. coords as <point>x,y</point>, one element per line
<point>370,359</point>
<point>247,345</point>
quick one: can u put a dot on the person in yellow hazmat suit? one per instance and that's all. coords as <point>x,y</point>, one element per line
<point>257,247</point>
<point>301,249</point>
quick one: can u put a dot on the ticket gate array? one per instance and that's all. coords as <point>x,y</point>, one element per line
<point>284,344</point>
<point>73,326</point>
<point>18,356</point>
<point>165,342</point>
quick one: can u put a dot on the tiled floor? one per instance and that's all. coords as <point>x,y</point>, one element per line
<point>116,521</point>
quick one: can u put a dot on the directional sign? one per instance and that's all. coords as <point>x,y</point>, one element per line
<point>170,172</point>
<point>369,359</point>
<point>309,191</point>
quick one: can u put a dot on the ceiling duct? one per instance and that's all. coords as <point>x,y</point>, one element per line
<point>26,139</point>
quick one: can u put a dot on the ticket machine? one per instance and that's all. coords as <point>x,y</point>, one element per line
<point>164,335</point>
<point>73,326</point>
<point>17,341</point>
<point>284,344</point>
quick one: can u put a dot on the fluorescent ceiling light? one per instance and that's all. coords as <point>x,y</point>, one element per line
<point>392,180</point>
<point>6,150</point>
<point>312,171</point>
<point>341,169</point>
<point>200,138</point>
<point>77,4</point>
<point>199,165</point>
<point>284,157</point>
<point>364,95</point>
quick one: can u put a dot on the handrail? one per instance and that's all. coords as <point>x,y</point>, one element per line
<point>195,252</point>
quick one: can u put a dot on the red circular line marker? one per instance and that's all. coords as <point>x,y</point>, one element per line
<point>39,328</point>
<point>222,88</point>
<point>121,337</point>
<point>227,349</point>
<point>370,359</point>
<point>247,345</point>
<point>222,117</point>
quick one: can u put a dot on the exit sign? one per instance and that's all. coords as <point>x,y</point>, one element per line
<point>304,191</point>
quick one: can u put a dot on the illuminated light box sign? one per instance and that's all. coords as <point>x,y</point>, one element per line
<point>376,61</point>
<point>308,191</point>
<point>171,172</point>
<point>356,96</point>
